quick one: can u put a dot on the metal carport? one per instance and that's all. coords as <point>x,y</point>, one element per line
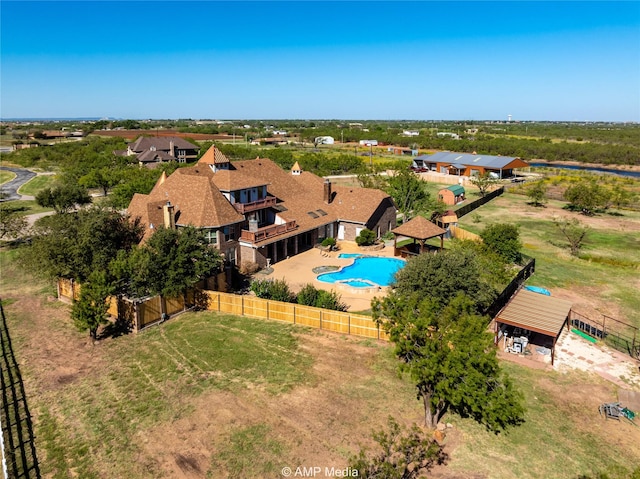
<point>536,312</point>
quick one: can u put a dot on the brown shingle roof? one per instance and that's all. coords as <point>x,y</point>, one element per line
<point>197,201</point>
<point>419,228</point>
<point>195,193</point>
<point>232,180</point>
<point>356,204</point>
<point>160,143</point>
<point>213,156</point>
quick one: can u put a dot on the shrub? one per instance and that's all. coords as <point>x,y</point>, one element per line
<point>329,242</point>
<point>330,300</point>
<point>366,237</point>
<point>278,290</point>
<point>310,296</point>
<point>249,267</point>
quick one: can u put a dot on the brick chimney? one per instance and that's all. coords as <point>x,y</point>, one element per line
<point>172,149</point>
<point>327,191</point>
<point>169,214</point>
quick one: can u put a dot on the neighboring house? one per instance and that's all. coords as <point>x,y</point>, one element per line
<point>465,164</point>
<point>254,211</point>
<point>150,151</point>
<point>452,195</point>
<point>368,142</point>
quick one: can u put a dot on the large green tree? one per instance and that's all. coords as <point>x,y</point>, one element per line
<point>63,198</point>
<point>440,277</point>
<point>503,239</point>
<point>104,178</point>
<point>408,192</point>
<point>169,263</point>
<point>448,354</point>
<point>587,197</point>
<point>76,244</point>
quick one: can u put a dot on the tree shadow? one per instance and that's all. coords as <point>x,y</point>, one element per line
<point>114,329</point>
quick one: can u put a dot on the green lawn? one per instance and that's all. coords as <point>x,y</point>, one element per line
<point>27,207</point>
<point>33,186</point>
<point>6,176</point>
<point>608,264</point>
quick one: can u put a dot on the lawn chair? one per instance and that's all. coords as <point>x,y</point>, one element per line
<point>610,410</point>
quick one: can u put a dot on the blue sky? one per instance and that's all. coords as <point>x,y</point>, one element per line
<point>575,61</point>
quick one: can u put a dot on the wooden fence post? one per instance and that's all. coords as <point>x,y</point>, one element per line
<point>321,319</point>
<point>294,314</point>
<point>348,324</point>
<point>219,301</point>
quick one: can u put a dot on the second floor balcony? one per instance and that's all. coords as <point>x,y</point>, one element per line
<point>267,232</point>
<point>243,208</point>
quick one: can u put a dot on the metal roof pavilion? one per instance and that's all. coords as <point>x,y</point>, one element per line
<point>535,312</point>
<point>485,161</point>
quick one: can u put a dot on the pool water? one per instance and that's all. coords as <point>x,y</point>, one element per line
<point>365,272</point>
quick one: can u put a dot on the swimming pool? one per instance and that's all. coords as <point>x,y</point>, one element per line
<point>365,272</point>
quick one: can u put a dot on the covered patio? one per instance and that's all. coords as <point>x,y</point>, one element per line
<point>419,229</point>
<point>531,319</point>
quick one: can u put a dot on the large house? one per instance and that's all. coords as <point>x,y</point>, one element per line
<point>465,164</point>
<point>254,211</point>
<point>150,151</point>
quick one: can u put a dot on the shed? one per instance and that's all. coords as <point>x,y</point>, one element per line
<point>452,195</point>
<point>420,229</point>
<point>533,312</point>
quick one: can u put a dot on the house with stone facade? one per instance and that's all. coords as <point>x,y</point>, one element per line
<point>254,211</point>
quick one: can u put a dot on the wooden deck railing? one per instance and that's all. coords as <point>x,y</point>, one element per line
<point>268,232</point>
<point>243,208</point>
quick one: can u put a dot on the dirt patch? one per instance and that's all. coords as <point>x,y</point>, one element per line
<point>316,424</point>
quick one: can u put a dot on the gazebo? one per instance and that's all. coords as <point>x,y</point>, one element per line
<point>420,230</point>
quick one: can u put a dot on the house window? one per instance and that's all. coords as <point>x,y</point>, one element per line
<point>228,233</point>
<point>211,236</point>
<point>236,197</point>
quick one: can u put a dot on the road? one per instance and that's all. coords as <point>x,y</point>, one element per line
<point>10,189</point>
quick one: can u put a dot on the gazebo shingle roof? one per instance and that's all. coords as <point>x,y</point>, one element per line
<point>419,228</point>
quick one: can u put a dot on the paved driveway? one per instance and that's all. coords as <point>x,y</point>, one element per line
<point>10,189</point>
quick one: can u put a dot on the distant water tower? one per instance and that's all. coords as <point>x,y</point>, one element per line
<point>509,118</point>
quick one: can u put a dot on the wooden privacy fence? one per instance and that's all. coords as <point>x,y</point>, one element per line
<point>140,313</point>
<point>328,320</point>
<point>459,233</point>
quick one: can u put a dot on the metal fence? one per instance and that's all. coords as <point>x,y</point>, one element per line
<point>504,297</point>
<point>469,207</point>
<point>19,451</point>
<point>615,333</point>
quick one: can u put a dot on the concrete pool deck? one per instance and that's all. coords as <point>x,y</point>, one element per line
<point>297,271</point>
